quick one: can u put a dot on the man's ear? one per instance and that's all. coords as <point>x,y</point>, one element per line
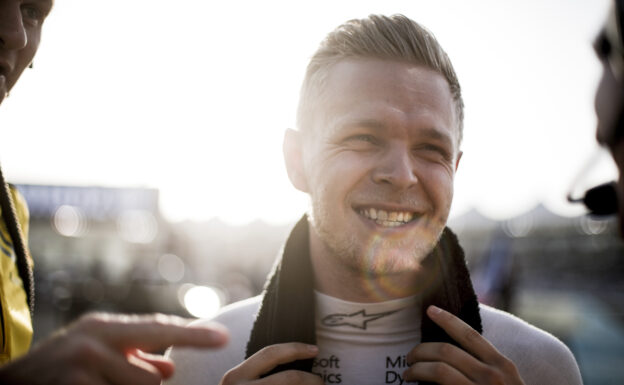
<point>293,157</point>
<point>459,155</point>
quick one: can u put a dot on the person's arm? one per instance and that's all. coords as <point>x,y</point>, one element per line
<point>446,364</point>
<point>110,349</point>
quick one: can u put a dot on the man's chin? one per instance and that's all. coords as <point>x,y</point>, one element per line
<point>390,259</point>
<point>3,89</point>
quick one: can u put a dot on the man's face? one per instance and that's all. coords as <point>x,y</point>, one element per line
<point>379,164</point>
<point>20,32</point>
<point>609,105</point>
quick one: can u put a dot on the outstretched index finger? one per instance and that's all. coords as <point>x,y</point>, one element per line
<point>151,333</point>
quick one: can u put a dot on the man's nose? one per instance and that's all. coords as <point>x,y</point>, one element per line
<point>12,31</point>
<point>396,168</point>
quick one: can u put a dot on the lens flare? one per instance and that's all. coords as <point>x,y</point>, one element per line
<point>202,301</point>
<point>386,253</point>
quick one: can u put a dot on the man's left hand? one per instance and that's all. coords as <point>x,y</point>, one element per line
<point>446,364</point>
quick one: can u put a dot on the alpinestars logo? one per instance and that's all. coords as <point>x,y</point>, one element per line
<point>358,319</point>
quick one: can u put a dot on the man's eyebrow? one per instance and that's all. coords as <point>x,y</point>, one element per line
<point>346,125</point>
<point>377,125</point>
<point>372,124</point>
<point>46,4</point>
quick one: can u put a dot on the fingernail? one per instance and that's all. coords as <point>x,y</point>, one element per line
<point>313,348</point>
<point>434,309</point>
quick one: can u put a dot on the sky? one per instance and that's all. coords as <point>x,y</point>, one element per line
<point>192,97</point>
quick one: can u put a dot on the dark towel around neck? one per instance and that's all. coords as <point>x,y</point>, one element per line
<point>287,310</point>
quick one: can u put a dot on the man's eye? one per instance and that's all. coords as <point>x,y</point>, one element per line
<point>434,149</point>
<point>33,14</point>
<point>363,138</point>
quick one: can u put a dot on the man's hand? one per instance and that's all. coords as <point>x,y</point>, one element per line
<point>267,359</point>
<point>103,349</point>
<point>447,364</point>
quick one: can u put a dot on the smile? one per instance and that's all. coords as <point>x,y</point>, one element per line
<point>387,218</point>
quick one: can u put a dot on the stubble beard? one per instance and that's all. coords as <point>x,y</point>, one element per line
<point>380,256</point>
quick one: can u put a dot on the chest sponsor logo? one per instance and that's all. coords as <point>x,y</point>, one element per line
<point>359,319</point>
<point>328,369</point>
<point>394,369</point>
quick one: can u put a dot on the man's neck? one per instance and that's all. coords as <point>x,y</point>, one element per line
<point>337,278</point>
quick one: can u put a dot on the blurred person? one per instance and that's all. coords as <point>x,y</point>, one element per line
<point>608,199</point>
<point>98,348</point>
<point>609,101</point>
<point>371,286</point>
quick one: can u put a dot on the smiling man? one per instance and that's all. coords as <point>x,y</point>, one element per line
<point>372,287</point>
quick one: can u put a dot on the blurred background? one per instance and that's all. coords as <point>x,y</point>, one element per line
<point>147,143</point>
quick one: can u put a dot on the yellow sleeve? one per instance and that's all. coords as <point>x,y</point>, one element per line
<point>16,325</point>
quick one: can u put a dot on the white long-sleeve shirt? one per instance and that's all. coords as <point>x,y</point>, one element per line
<point>366,343</point>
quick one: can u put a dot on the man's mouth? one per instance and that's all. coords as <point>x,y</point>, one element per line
<point>387,218</point>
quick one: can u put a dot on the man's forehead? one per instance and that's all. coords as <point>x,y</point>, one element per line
<point>357,67</point>
<point>367,89</point>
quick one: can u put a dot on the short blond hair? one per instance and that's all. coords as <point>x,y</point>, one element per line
<point>379,37</point>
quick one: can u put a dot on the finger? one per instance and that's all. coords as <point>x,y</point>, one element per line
<point>100,362</point>
<point>466,336</point>
<point>290,377</point>
<point>438,372</point>
<point>164,365</point>
<point>455,357</point>
<point>268,358</point>
<point>151,333</point>
<point>147,373</point>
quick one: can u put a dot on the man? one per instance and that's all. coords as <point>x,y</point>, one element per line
<point>608,198</point>
<point>99,348</point>
<point>609,101</point>
<point>359,292</point>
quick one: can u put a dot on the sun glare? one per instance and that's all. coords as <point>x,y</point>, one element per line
<point>202,301</point>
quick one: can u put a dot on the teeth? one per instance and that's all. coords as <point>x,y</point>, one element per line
<point>388,219</point>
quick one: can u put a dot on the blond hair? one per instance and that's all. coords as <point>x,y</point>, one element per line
<point>380,37</point>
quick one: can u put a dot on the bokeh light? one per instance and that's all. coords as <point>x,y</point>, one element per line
<point>202,301</point>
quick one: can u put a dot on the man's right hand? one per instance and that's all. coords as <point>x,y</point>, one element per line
<point>269,358</point>
<point>103,349</point>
